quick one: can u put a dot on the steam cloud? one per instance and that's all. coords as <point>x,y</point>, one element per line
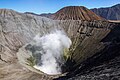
<point>51,47</point>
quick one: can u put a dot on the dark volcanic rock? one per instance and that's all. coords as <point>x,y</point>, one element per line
<point>104,65</point>
<point>109,70</point>
<point>110,13</point>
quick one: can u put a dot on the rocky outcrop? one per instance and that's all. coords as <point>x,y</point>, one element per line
<point>109,13</point>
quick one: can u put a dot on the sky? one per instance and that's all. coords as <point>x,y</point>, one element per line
<point>51,6</point>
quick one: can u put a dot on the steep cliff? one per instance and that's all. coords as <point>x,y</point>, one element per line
<point>102,65</point>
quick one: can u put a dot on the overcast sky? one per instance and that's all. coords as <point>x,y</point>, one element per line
<point>51,6</point>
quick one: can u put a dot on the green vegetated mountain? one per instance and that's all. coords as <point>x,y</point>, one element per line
<point>110,13</point>
<point>94,50</point>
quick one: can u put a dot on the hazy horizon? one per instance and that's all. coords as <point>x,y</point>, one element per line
<point>45,6</point>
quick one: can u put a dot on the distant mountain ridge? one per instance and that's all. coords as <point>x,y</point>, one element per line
<point>110,13</point>
<point>32,13</point>
<point>48,15</point>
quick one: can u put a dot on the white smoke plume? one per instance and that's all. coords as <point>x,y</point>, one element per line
<point>53,45</point>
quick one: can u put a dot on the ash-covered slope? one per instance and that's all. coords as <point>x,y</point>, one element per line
<point>105,64</point>
<point>110,13</point>
<point>18,29</point>
<point>108,70</point>
<point>75,13</point>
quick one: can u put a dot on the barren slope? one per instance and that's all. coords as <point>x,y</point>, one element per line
<point>75,13</point>
<point>18,29</point>
<point>109,13</point>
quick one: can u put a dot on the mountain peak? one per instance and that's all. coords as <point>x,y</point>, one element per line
<point>75,13</point>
